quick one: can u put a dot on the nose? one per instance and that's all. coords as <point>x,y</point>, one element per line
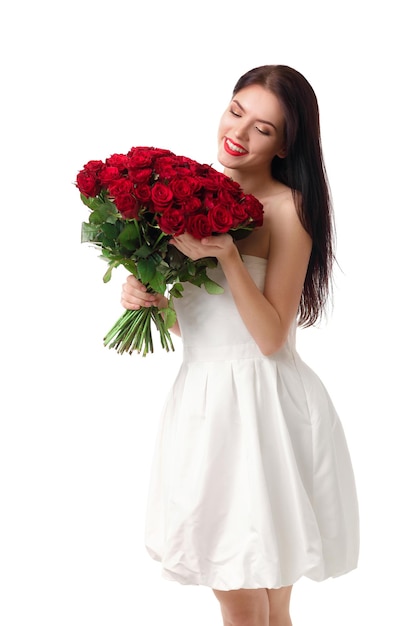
<point>241,129</point>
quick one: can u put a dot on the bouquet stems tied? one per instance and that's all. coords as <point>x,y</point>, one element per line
<point>133,332</point>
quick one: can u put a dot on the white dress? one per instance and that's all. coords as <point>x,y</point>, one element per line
<point>252,484</point>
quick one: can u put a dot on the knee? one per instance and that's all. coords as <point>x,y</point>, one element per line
<point>279,618</point>
<point>244,607</point>
<point>240,618</point>
<point>243,617</point>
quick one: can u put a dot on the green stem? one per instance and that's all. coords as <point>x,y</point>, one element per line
<point>132,332</point>
<point>166,339</point>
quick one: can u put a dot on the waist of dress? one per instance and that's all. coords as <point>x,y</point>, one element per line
<point>228,353</point>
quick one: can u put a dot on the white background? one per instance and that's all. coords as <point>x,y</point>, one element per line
<point>83,80</point>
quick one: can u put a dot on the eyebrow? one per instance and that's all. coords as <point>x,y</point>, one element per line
<point>262,121</point>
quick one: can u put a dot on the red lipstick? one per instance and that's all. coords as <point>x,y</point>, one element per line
<point>238,149</point>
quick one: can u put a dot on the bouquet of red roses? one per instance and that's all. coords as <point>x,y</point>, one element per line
<point>139,200</point>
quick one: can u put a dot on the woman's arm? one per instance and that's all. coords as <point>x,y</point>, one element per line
<point>268,316</point>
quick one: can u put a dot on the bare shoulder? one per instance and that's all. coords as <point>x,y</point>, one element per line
<point>287,235</point>
<point>281,229</point>
<point>280,205</point>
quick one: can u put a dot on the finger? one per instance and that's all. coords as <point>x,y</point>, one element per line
<point>129,302</point>
<point>216,240</point>
<point>135,283</point>
<point>139,298</point>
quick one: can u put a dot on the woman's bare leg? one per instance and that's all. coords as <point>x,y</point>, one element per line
<point>255,607</point>
<point>244,607</point>
<point>279,606</point>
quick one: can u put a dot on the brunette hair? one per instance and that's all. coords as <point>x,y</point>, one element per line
<point>303,170</point>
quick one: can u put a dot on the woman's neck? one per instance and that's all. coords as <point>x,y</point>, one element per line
<point>255,183</point>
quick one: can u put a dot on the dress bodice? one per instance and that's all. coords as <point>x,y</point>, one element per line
<point>211,325</point>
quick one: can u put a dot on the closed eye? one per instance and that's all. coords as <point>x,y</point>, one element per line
<point>235,113</point>
<point>263,132</point>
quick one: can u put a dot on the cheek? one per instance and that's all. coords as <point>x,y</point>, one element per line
<point>266,152</point>
<point>222,127</point>
<point>274,147</point>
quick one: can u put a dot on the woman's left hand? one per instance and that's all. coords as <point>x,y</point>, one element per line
<point>219,246</point>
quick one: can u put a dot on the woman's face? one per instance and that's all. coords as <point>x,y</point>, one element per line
<point>251,130</point>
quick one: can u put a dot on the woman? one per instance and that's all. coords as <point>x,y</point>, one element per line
<point>252,485</point>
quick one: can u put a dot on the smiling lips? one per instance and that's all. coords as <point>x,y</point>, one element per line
<point>234,148</point>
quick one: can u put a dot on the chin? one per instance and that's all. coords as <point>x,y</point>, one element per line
<point>221,159</point>
<point>225,160</point>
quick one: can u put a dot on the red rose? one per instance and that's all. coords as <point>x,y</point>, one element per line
<point>224,196</point>
<point>140,176</point>
<point>210,200</point>
<point>183,160</point>
<point>118,160</point>
<point>143,194</point>
<point>127,205</point>
<point>254,209</point>
<point>183,187</point>
<point>191,205</point>
<point>139,158</point>
<point>94,166</point>
<point>120,186</point>
<point>157,153</point>
<point>162,196</point>
<point>197,169</point>
<point>239,214</point>
<point>108,174</point>
<point>208,182</point>
<point>172,222</point>
<point>166,167</point>
<point>230,186</point>
<point>220,219</point>
<point>199,226</point>
<point>88,184</point>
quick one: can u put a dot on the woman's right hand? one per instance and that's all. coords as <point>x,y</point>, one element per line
<point>135,296</point>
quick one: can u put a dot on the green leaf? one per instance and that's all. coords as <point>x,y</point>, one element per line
<point>169,315</point>
<point>143,252</point>
<point>146,270</point>
<point>129,237</point>
<point>207,262</point>
<point>191,267</point>
<point>176,290</point>
<point>107,275</point>
<point>129,265</point>
<point>111,231</point>
<point>104,212</point>
<point>241,233</point>
<point>91,203</point>
<point>174,257</point>
<point>184,276</point>
<point>89,233</point>
<point>158,283</point>
<point>210,286</point>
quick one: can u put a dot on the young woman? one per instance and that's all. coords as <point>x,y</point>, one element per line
<point>252,485</point>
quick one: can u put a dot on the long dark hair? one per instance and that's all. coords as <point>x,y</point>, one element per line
<point>304,172</point>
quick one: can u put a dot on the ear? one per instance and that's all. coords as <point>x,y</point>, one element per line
<point>282,152</point>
